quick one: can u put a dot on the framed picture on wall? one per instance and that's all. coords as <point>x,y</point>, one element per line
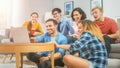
<point>94,3</point>
<point>68,7</point>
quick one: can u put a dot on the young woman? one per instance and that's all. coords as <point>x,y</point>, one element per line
<point>77,15</point>
<point>33,26</point>
<point>89,46</point>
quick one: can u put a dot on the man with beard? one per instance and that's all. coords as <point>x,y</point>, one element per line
<point>43,59</point>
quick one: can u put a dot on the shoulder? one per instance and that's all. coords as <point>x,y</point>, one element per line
<point>26,22</point>
<point>61,39</point>
<point>109,19</point>
<point>38,23</point>
<point>61,36</point>
<point>45,35</point>
<point>86,36</point>
<point>86,33</point>
<point>64,19</point>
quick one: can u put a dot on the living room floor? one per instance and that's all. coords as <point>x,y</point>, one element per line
<point>11,63</point>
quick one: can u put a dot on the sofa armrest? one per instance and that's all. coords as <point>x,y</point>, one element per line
<point>115,48</point>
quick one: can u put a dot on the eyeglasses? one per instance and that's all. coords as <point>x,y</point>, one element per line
<point>54,13</point>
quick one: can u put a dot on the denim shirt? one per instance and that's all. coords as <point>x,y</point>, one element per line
<point>65,27</point>
<point>60,39</point>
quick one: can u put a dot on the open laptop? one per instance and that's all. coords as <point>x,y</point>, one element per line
<point>19,35</point>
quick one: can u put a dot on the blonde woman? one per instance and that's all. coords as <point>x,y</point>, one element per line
<point>33,26</point>
<point>89,46</point>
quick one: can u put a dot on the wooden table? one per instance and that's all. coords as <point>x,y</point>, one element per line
<point>19,48</point>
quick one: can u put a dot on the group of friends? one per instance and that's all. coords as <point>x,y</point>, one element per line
<point>87,48</point>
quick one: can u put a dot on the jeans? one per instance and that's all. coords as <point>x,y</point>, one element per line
<point>34,57</point>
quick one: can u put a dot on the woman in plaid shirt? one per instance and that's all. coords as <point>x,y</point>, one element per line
<point>89,47</point>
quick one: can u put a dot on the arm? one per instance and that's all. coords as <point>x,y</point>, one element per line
<point>63,46</point>
<point>66,27</point>
<point>70,27</point>
<point>114,35</point>
<point>40,38</point>
<point>114,30</point>
<point>25,24</point>
<point>40,29</point>
<point>57,55</point>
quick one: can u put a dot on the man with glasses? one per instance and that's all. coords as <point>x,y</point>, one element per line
<point>64,25</point>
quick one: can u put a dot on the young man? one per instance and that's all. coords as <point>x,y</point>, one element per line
<point>107,25</point>
<point>64,25</point>
<point>42,59</point>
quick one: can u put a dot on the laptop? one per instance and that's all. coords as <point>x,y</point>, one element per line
<point>19,35</point>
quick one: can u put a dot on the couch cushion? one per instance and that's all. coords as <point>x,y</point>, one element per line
<point>113,63</point>
<point>115,48</point>
<point>114,55</point>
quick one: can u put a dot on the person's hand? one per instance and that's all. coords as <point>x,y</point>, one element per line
<point>56,45</point>
<point>33,40</point>
<point>43,59</point>
<point>75,35</point>
<point>36,33</point>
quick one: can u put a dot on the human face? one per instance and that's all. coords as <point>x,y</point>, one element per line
<point>51,28</point>
<point>56,15</point>
<point>34,17</point>
<point>80,28</point>
<point>97,14</point>
<point>77,16</point>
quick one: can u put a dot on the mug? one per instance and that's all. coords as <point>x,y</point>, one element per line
<point>33,31</point>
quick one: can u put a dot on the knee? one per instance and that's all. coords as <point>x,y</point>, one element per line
<point>66,58</point>
<point>29,55</point>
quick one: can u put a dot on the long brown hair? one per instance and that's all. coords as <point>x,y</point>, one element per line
<point>92,28</point>
<point>30,23</point>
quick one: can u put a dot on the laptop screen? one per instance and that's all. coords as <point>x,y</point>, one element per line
<point>20,35</point>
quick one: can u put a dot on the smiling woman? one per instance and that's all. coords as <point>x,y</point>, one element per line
<point>5,13</point>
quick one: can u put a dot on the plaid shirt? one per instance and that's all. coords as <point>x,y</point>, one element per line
<point>92,49</point>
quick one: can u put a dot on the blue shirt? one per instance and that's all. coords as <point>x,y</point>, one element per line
<point>92,49</point>
<point>65,27</point>
<point>60,39</point>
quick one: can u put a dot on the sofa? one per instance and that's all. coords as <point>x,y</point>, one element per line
<point>114,56</point>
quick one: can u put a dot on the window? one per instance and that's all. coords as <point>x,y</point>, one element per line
<point>5,13</point>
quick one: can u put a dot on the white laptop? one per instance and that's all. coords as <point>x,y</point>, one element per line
<point>20,35</point>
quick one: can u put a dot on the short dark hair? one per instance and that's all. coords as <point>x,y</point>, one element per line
<point>56,9</point>
<point>80,12</point>
<point>34,13</point>
<point>54,21</point>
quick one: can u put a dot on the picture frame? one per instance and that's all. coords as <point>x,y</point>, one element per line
<point>94,3</point>
<point>68,7</point>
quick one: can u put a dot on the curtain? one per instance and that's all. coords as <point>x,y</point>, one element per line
<point>5,13</point>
